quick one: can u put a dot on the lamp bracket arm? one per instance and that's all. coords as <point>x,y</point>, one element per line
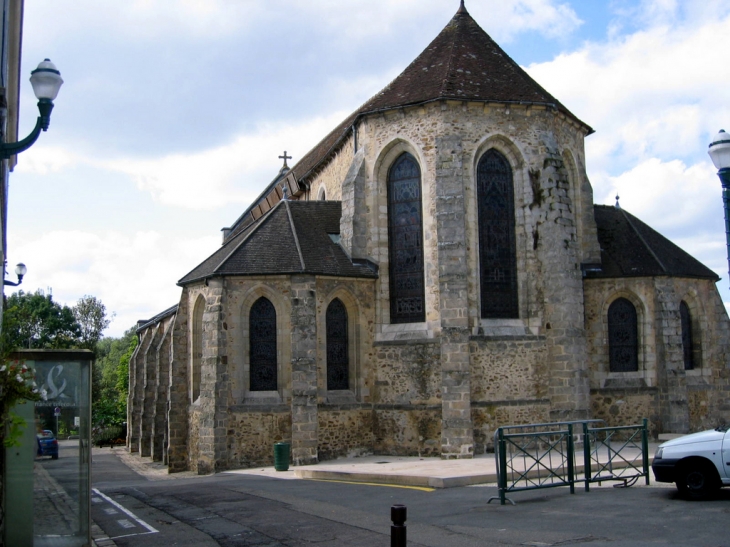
<point>11,149</point>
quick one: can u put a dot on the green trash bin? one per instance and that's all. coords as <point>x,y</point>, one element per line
<point>281,456</point>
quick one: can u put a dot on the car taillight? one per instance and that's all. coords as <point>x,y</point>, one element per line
<point>54,442</point>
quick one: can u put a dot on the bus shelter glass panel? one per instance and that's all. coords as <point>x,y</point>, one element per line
<point>60,458</point>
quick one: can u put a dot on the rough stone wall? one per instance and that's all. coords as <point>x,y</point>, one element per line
<point>304,370</point>
<point>241,293</point>
<point>358,297</point>
<point>193,445</point>
<point>151,382</point>
<point>487,417</point>
<point>558,251</point>
<point>510,384</point>
<point>534,135</point>
<point>353,226</point>
<point>555,232</point>
<point>344,431</point>
<point>508,368</point>
<point>684,400</point>
<point>457,439</point>
<point>407,430</point>
<point>162,392</point>
<point>627,406</point>
<point>407,398</point>
<point>330,176</point>
<point>133,410</point>
<point>178,423</point>
<point>138,393</point>
<point>214,384</point>
<point>408,373</point>
<point>254,433</point>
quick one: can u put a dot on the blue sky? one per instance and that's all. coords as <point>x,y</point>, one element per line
<point>174,113</point>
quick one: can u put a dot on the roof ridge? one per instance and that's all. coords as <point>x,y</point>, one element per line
<point>641,238</point>
<point>450,64</point>
<point>295,235</point>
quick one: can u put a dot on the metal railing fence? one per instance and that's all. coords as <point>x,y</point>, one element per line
<point>536,456</point>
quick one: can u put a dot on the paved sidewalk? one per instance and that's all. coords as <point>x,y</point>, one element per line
<point>409,471</point>
<point>396,470</point>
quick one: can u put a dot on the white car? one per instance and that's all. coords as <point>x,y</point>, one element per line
<point>699,464</point>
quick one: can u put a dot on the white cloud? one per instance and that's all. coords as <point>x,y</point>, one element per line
<point>234,173</point>
<point>134,275</point>
<point>550,18</point>
<point>658,92</point>
<point>665,195</point>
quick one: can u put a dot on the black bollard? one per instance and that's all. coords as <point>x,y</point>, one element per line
<point>398,529</point>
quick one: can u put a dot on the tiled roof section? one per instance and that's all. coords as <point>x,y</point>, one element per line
<point>146,323</point>
<point>630,248</point>
<point>292,238</point>
<point>462,63</point>
<point>262,204</point>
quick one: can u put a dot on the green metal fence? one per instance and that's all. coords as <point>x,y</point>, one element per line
<point>536,456</point>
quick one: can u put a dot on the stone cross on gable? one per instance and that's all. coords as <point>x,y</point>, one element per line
<point>285,157</point>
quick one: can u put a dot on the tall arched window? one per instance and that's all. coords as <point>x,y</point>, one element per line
<point>197,356</point>
<point>262,346</point>
<point>338,360</point>
<point>405,239</point>
<point>497,257</point>
<point>687,343</point>
<point>623,339</point>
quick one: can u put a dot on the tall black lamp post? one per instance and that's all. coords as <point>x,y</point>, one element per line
<point>720,153</point>
<point>46,81</point>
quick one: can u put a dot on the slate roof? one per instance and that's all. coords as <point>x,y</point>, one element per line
<point>143,324</point>
<point>462,63</point>
<point>630,248</point>
<point>292,238</point>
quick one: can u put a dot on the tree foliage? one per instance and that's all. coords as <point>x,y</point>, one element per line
<point>90,314</point>
<point>112,364</point>
<point>35,321</point>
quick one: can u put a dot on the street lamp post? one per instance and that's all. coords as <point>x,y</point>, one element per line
<point>720,153</point>
<point>20,271</point>
<point>46,81</point>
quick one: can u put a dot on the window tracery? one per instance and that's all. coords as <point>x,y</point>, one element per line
<point>688,349</point>
<point>338,360</point>
<point>623,341</point>
<point>405,241</point>
<point>497,256</point>
<point>262,346</point>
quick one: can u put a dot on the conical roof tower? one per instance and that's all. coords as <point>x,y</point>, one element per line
<point>461,63</point>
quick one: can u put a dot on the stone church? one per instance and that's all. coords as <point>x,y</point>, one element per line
<point>434,268</point>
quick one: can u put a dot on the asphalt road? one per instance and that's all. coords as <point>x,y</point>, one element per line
<point>238,510</point>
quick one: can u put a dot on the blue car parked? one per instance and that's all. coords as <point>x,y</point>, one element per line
<point>47,444</point>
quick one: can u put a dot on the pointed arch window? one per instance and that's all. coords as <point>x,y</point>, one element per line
<point>405,241</point>
<point>688,348</point>
<point>262,346</point>
<point>497,256</point>
<point>338,360</point>
<point>623,340</point>
<point>195,375</point>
